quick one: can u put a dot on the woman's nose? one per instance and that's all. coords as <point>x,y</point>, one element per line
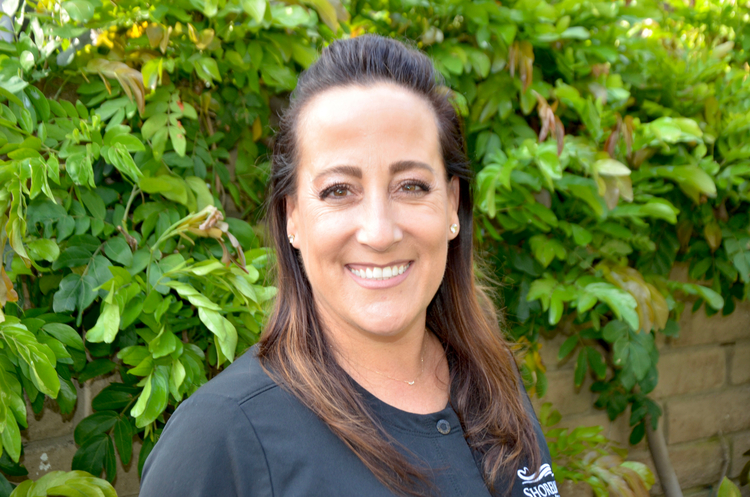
<point>378,226</point>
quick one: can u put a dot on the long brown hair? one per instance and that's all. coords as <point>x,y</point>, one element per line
<point>484,389</point>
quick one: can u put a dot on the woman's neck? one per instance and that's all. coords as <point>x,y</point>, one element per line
<point>407,370</point>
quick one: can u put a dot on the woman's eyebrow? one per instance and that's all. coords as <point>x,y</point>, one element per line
<point>405,165</point>
<point>395,168</point>
<point>345,170</point>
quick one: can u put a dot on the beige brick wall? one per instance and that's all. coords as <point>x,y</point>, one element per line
<point>704,391</point>
<point>48,442</point>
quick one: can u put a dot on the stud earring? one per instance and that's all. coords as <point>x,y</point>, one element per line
<point>291,238</point>
<point>454,228</point>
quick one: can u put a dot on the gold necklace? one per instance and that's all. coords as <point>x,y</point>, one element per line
<point>410,383</point>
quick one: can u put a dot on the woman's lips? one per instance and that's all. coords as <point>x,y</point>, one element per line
<point>375,277</point>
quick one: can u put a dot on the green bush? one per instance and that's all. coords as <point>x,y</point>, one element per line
<point>610,141</point>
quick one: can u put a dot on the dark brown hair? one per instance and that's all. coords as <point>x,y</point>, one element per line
<point>484,390</point>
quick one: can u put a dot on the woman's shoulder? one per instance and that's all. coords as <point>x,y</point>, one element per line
<point>239,382</point>
<point>212,431</point>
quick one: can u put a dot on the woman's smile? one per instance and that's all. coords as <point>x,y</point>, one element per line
<point>379,277</point>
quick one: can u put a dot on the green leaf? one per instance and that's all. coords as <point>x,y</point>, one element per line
<point>75,292</point>
<point>79,10</point>
<point>255,8</point>
<point>728,489</point>
<point>692,179</point>
<point>53,168</point>
<point>611,167</point>
<point>93,425</point>
<point>303,54</point>
<point>225,332</point>
<point>123,434</point>
<point>596,361</point>
<point>581,368</point>
<point>203,195</point>
<point>159,142</point>
<point>118,250</point>
<point>107,325</point>
<point>73,256</point>
<point>10,438</point>
<point>25,120</point>
<point>5,487</point>
<point>712,298</point>
<point>621,302</point>
<point>170,187</point>
<point>43,249</point>
<point>130,142</point>
<point>177,135</point>
<point>10,468</point>
<point>65,334</point>
<point>567,347</point>
<point>39,101</point>
<point>541,289</point>
<point>115,396</point>
<point>93,203</point>
<point>576,33</point>
<point>155,393</point>
<point>153,124</point>
<point>621,351</point>
<point>614,330</point>
<point>556,306</point>
<point>639,360</point>
<point>207,69</point>
<point>95,368</point>
<point>120,157</point>
<point>164,344</point>
<point>327,13</point>
<point>582,236</point>
<point>637,434</point>
<point>91,456</point>
<point>80,170</point>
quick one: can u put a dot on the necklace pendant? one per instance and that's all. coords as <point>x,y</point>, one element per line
<point>411,383</point>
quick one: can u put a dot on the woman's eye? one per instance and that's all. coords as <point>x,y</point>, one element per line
<point>414,188</point>
<point>335,191</point>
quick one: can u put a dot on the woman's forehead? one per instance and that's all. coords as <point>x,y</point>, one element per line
<point>366,126</point>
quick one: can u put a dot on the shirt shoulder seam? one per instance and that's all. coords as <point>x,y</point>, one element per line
<point>240,400</point>
<point>255,434</point>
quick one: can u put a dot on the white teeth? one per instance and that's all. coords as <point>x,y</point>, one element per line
<point>377,273</point>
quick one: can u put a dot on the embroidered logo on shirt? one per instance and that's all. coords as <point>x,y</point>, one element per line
<point>547,489</point>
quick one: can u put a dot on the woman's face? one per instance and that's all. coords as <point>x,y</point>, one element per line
<point>373,208</point>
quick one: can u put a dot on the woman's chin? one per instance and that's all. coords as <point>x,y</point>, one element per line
<point>383,328</point>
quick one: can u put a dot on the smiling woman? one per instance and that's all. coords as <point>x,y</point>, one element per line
<point>382,369</point>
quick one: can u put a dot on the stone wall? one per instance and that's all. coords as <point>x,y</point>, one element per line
<point>48,442</point>
<point>704,391</point>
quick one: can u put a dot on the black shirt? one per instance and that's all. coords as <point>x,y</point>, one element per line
<point>242,435</point>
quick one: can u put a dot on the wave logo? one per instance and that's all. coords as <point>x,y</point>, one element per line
<point>536,489</point>
<point>528,479</point>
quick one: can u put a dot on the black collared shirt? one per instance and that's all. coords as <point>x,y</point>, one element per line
<point>242,435</point>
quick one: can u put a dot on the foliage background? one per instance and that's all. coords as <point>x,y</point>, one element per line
<point>609,140</point>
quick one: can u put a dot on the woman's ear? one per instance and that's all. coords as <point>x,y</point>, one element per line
<point>291,221</point>
<point>454,196</point>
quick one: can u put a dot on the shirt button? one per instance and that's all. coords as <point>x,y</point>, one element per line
<point>444,427</point>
